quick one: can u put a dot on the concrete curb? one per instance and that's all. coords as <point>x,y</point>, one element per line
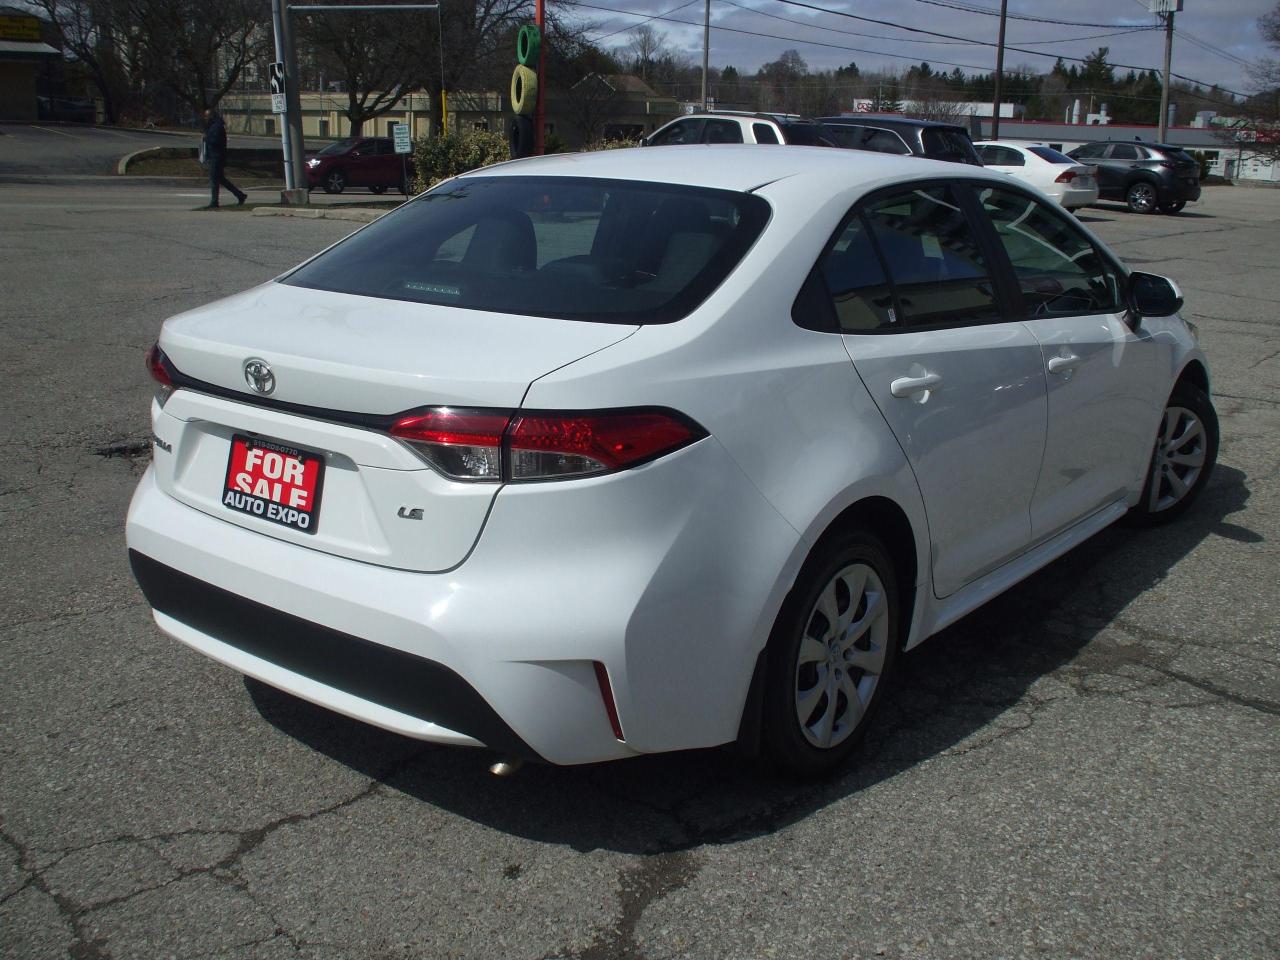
<point>319,213</point>
<point>122,167</point>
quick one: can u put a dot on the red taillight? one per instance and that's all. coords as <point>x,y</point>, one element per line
<point>157,366</point>
<point>494,445</point>
<point>547,446</point>
<point>461,444</point>
<point>1066,176</point>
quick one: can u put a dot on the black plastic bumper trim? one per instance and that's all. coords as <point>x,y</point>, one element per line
<point>383,675</point>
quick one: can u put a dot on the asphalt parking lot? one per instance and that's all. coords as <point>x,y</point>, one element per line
<point>1089,766</point>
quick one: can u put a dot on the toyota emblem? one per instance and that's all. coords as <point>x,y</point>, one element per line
<point>259,376</point>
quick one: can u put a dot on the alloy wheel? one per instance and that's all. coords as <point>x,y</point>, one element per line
<point>842,655</point>
<point>1142,198</point>
<point>1179,458</point>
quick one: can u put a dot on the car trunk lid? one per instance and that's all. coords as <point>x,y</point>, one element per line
<point>337,369</point>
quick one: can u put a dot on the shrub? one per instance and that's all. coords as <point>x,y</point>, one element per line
<point>438,158</point>
<point>609,145</point>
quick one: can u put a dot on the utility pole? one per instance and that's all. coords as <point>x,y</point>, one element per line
<point>706,50</point>
<point>1164,87</point>
<point>995,103</point>
<point>295,182</point>
<point>540,106</point>
<point>1165,9</point>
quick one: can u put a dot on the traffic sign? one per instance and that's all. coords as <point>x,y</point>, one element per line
<point>400,135</point>
<point>278,104</point>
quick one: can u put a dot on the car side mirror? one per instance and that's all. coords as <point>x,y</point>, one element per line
<point>1153,296</point>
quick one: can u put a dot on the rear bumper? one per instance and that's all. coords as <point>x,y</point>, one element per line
<point>1071,199</point>
<point>669,575</point>
<point>1179,190</point>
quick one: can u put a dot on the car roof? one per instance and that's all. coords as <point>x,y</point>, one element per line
<point>741,167</point>
<point>862,118</point>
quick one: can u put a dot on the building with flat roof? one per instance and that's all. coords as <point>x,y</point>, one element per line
<point>22,51</point>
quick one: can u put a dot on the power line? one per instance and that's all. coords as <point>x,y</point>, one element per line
<point>988,12</point>
<point>954,43</point>
<point>632,26</point>
<point>988,43</point>
<point>882,53</point>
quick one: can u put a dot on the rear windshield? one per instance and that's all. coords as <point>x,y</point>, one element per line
<point>946,143</point>
<point>576,249</point>
<point>1050,154</point>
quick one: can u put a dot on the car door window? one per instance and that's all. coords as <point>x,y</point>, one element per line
<point>763,133</point>
<point>1090,151</point>
<point>1124,151</point>
<point>1010,157</point>
<point>683,131</point>
<point>1059,271</point>
<point>723,131</point>
<point>938,270</point>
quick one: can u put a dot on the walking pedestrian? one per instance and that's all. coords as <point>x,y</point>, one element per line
<point>215,153</point>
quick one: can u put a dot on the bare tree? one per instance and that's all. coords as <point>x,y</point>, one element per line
<point>97,35</point>
<point>195,49</point>
<point>1258,130</point>
<point>375,55</point>
<point>589,103</point>
<point>646,48</point>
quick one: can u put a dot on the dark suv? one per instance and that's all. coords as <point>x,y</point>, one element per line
<point>1146,176</point>
<point>919,138</point>
<point>369,162</point>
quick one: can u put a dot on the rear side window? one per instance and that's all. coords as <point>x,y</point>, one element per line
<point>933,258</point>
<point>1059,272</point>
<point>947,144</point>
<point>763,133</point>
<point>867,138</point>
<point>1124,151</point>
<point>1048,153</point>
<point>723,131</point>
<point>856,281</point>
<point>577,249</point>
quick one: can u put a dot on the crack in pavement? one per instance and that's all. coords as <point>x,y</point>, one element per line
<point>224,870</point>
<point>639,887</point>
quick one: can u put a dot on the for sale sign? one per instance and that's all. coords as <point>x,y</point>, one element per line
<point>275,482</point>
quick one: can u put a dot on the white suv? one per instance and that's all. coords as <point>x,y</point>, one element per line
<point>582,457</point>
<point>731,127</point>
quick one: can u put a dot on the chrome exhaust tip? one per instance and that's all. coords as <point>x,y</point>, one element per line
<point>506,768</point>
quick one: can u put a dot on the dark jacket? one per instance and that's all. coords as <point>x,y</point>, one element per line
<point>215,138</point>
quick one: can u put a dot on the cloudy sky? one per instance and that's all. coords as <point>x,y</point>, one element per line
<point>1213,36</point>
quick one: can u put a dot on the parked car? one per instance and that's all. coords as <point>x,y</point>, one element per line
<point>369,162</point>
<point>902,135</point>
<point>596,483</point>
<point>731,127</point>
<point>1146,176</point>
<point>1070,183</point>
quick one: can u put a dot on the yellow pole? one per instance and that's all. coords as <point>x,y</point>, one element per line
<point>444,113</point>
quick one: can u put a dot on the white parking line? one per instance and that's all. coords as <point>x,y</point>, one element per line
<point>61,133</point>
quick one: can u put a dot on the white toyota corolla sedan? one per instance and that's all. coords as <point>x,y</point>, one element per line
<point>582,457</point>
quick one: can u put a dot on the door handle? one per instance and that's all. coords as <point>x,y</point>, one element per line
<point>1064,364</point>
<point>909,386</point>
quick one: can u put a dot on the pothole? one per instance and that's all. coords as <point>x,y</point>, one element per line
<point>129,449</point>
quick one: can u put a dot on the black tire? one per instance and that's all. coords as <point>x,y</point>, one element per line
<point>789,741</point>
<point>520,137</point>
<point>335,181</point>
<point>1174,207</point>
<point>378,190</point>
<point>1163,497</point>
<point>1142,196</point>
